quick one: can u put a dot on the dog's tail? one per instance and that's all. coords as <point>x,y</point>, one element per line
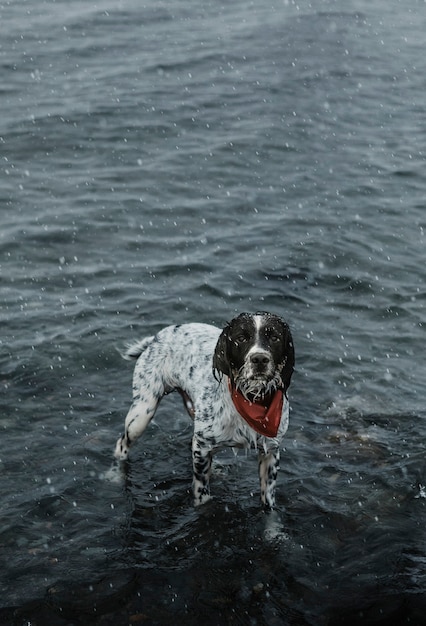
<point>134,350</point>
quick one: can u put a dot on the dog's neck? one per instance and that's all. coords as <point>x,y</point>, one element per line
<point>262,414</point>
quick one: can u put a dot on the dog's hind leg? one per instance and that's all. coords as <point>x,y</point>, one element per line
<point>139,416</point>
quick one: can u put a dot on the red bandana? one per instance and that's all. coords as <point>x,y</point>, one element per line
<point>264,416</point>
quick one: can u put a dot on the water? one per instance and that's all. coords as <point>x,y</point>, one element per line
<point>178,162</point>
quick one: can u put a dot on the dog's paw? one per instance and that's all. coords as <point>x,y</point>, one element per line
<point>198,503</point>
<point>202,499</point>
<point>273,530</point>
<point>121,451</point>
<point>115,474</point>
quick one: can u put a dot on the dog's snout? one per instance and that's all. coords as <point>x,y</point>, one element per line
<point>260,359</point>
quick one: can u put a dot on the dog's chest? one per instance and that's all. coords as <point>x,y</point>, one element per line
<point>217,420</point>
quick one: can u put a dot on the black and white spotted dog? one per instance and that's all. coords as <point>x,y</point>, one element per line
<point>234,384</point>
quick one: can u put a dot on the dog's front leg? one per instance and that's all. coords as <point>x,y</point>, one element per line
<point>269,463</point>
<point>202,464</point>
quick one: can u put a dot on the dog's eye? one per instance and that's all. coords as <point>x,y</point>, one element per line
<point>274,338</point>
<point>241,338</point>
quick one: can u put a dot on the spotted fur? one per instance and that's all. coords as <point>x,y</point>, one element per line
<point>255,352</point>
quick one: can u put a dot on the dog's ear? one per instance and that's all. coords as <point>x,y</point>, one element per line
<point>221,364</point>
<point>288,360</point>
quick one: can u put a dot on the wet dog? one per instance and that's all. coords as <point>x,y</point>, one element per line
<point>234,384</point>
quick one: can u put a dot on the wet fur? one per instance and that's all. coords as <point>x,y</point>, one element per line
<point>254,351</point>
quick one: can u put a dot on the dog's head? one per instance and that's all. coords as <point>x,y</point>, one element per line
<point>256,352</point>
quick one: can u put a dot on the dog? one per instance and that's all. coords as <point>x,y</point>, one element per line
<point>234,385</point>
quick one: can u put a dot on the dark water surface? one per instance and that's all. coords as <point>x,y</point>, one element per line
<point>183,161</point>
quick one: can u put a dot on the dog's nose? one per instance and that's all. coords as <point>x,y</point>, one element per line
<point>259,358</point>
